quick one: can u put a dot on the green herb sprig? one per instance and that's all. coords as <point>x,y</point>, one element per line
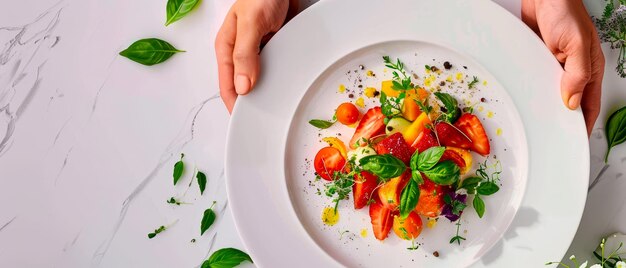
<point>612,29</point>
<point>399,83</point>
<point>473,83</point>
<point>179,167</point>
<point>482,184</point>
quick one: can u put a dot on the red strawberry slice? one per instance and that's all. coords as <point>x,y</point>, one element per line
<point>381,219</point>
<point>363,188</point>
<point>372,124</point>
<point>449,135</point>
<point>425,140</point>
<point>471,126</point>
<point>396,146</point>
<point>454,157</point>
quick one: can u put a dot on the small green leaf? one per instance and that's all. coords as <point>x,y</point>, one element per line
<point>321,124</point>
<point>177,9</point>
<point>207,219</point>
<point>226,258</point>
<point>444,173</point>
<point>452,107</point>
<point>615,130</point>
<point>429,158</point>
<point>150,51</point>
<point>384,166</point>
<point>479,206</point>
<point>470,183</point>
<point>487,188</point>
<point>179,167</point>
<point>201,181</point>
<point>409,198</point>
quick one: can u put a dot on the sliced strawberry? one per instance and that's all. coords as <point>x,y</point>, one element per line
<point>425,140</point>
<point>431,199</point>
<point>372,124</point>
<point>396,146</point>
<point>381,219</point>
<point>449,135</point>
<point>363,188</point>
<point>471,126</point>
<point>454,157</point>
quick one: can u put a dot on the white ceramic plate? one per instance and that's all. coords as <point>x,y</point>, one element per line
<point>542,147</point>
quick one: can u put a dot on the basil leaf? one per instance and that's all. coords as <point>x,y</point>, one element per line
<point>201,181</point>
<point>409,198</point>
<point>321,124</point>
<point>179,167</point>
<point>177,9</point>
<point>444,173</point>
<point>429,158</point>
<point>615,130</point>
<point>417,176</point>
<point>479,206</point>
<point>487,188</point>
<point>470,183</point>
<point>150,51</point>
<point>384,166</point>
<point>226,258</point>
<point>452,106</point>
<point>207,219</point>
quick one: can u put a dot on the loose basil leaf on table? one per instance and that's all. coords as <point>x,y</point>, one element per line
<point>409,198</point>
<point>444,173</point>
<point>615,130</point>
<point>384,166</point>
<point>150,51</point>
<point>177,9</point>
<point>201,181</point>
<point>207,219</point>
<point>429,158</point>
<point>226,258</point>
<point>179,167</point>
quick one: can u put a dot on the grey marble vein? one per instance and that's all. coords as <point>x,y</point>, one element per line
<point>176,145</point>
<point>208,252</point>
<point>65,160</point>
<point>72,243</point>
<point>7,223</point>
<point>102,85</point>
<point>56,137</point>
<point>18,60</point>
<point>598,178</point>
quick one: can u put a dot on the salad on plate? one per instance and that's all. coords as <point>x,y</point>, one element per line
<point>410,160</point>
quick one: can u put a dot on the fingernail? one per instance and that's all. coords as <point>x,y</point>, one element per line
<point>242,84</point>
<point>574,100</point>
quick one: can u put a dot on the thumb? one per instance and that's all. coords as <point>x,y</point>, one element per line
<point>246,56</point>
<point>577,75</point>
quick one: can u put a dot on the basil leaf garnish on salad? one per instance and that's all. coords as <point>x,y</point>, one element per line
<point>384,166</point>
<point>409,198</point>
<point>444,173</point>
<point>321,124</point>
<point>430,157</point>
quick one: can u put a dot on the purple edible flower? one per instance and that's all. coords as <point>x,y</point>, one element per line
<point>453,209</point>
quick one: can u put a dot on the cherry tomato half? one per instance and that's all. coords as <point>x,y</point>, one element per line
<point>328,161</point>
<point>347,113</point>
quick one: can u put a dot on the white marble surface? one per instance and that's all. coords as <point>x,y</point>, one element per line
<point>88,139</point>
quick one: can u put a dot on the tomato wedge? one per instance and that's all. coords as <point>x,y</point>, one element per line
<point>328,161</point>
